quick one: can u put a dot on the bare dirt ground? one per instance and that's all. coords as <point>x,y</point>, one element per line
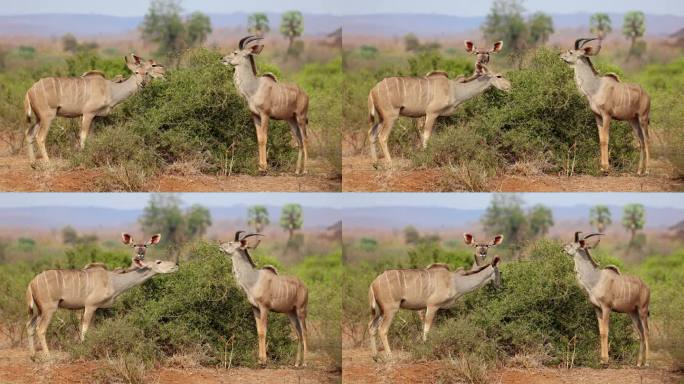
<point>17,367</point>
<point>358,367</point>
<point>16,175</point>
<point>358,175</point>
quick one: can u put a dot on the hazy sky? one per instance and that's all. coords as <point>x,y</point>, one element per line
<point>452,7</point>
<point>458,200</point>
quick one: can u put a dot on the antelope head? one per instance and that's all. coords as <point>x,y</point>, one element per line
<point>481,249</point>
<point>495,79</point>
<point>571,56</point>
<point>139,248</point>
<point>155,70</point>
<point>240,245</point>
<point>245,51</point>
<point>161,266</point>
<point>482,55</point>
<point>137,65</point>
<point>580,245</point>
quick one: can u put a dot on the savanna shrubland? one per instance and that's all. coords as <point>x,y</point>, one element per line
<point>538,316</point>
<point>543,125</point>
<point>193,122</point>
<point>195,316</point>
<point>543,121</point>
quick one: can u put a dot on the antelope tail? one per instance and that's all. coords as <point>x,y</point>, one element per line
<point>373,303</point>
<point>31,302</point>
<point>371,108</point>
<point>27,108</point>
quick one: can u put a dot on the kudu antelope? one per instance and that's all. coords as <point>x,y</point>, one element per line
<point>609,290</point>
<point>609,98</point>
<point>482,55</point>
<point>87,96</point>
<point>430,96</point>
<point>268,99</point>
<point>268,291</point>
<point>426,289</point>
<point>88,289</point>
<point>481,249</point>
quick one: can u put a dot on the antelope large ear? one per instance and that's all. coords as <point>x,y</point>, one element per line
<point>468,238</point>
<point>589,50</point>
<point>130,64</point>
<point>256,49</point>
<point>469,46</point>
<point>154,239</point>
<point>137,59</point>
<point>497,47</point>
<point>126,238</point>
<point>497,240</point>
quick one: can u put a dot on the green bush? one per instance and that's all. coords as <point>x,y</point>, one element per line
<point>199,308</point>
<point>539,311</point>
<point>542,120</point>
<point>195,116</point>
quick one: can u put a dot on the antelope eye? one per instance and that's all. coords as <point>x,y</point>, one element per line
<point>158,261</point>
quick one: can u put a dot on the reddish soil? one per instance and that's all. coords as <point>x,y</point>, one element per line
<point>16,367</point>
<point>16,175</point>
<point>358,367</point>
<point>358,175</point>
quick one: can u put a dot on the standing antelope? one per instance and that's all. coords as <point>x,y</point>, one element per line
<point>609,98</point>
<point>139,248</point>
<point>426,289</point>
<point>89,289</point>
<point>482,55</point>
<point>267,291</point>
<point>609,290</point>
<point>481,249</point>
<point>87,96</point>
<point>269,99</point>
<point>431,96</point>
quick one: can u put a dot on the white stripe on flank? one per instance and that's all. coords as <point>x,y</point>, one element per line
<point>403,86</point>
<point>389,286</point>
<point>629,97</point>
<point>420,89</point>
<point>61,278</point>
<point>420,282</point>
<point>387,93</point>
<point>42,84</point>
<point>429,282</point>
<point>428,95</point>
<point>79,286</point>
<point>87,282</point>
<point>403,277</point>
<point>47,285</point>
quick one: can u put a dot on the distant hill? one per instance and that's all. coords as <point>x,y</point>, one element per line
<point>442,217</point>
<point>85,25</point>
<point>104,218</point>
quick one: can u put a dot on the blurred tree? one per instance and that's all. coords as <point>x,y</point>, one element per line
<point>292,27</point>
<point>163,215</point>
<point>634,27</point>
<point>505,215</point>
<point>257,217</point>
<point>257,24</point>
<point>599,24</point>
<point>505,22</point>
<point>633,219</point>
<point>198,219</point>
<point>541,27</point>
<point>69,235</point>
<point>368,51</point>
<point>411,43</point>
<point>368,244</point>
<point>411,235</point>
<point>164,26</point>
<point>541,220</point>
<point>26,244</point>
<point>198,27</point>
<point>69,43</point>
<point>291,218</point>
<point>599,217</point>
